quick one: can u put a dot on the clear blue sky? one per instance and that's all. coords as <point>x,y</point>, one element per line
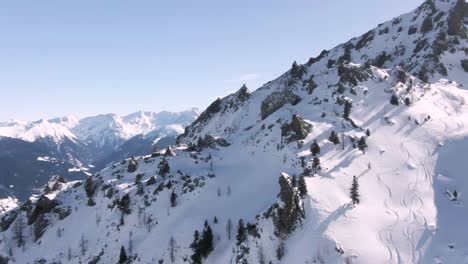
<point>88,57</point>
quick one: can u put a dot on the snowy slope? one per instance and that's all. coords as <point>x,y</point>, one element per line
<point>234,163</point>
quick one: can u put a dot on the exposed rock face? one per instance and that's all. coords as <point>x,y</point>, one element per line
<point>464,64</point>
<point>298,129</point>
<point>352,74</point>
<point>62,212</point>
<point>43,206</point>
<point>210,142</point>
<point>277,100</point>
<point>456,18</point>
<point>288,213</point>
<point>40,226</point>
<point>132,165</point>
<point>7,219</point>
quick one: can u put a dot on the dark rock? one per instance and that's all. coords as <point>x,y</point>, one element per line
<point>132,165</point>
<point>380,60</point>
<point>310,85</point>
<point>7,219</point>
<point>420,46</point>
<point>297,71</point>
<point>365,39</point>
<point>62,212</point>
<point>412,30</point>
<point>352,74</point>
<point>320,56</point>
<point>43,206</point>
<point>298,129</point>
<point>455,20</point>
<point>427,25</point>
<point>464,64</point>
<point>40,225</point>
<point>151,181</point>
<point>400,75</point>
<point>277,100</point>
<point>288,214</point>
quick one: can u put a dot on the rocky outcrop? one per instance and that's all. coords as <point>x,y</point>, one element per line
<point>40,226</point>
<point>288,212</point>
<point>132,165</point>
<point>277,100</point>
<point>43,206</point>
<point>7,219</point>
<point>208,141</point>
<point>352,74</point>
<point>455,20</point>
<point>298,129</point>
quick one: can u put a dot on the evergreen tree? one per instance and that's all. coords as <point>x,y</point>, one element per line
<point>215,220</point>
<point>172,249</point>
<point>241,235</point>
<point>315,148</point>
<point>294,180</point>
<point>229,228</point>
<point>195,246</point>
<point>173,199</point>
<point>18,231</point>
<point>394,100</point>
<point>302,187</point>
<point>316,164</point>
<point>354,191</point>
<point>123,256</point>
<point>334,138</point>
<point>362,144</point>
<point>206,242</point>
<point>124,204</point>
<point>164,168</point>
<point>348,105</point>
<point>368,132</point>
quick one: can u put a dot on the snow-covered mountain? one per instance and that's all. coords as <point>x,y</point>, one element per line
<point>265,176</point>
<point>74,147</point>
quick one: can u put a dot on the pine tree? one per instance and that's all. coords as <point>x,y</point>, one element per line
<point>316,164</point>
<point>394,100</point>
<point>173,199</point>
<point>368,132</point>
<point>206,242</point>
<point>348,105</point>
<point>315,148</point>
<point>172,249</point>
<point>354,191</point>
<point>18,231</point>
<point>334,138</point>
<point>164,168</point>
<point>123,256</point>
<point>195,246</point>
<point>362,144</point>
<point>83,245</point>
<point>302,187</point>
<point>294,180</point>
<point>215,220</point>
<point>241,236</point>
<point>229,228</point>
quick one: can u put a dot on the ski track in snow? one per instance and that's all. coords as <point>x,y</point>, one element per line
<point>388,232</point>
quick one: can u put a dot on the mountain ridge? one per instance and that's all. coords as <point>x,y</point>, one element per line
<point>247,170</point>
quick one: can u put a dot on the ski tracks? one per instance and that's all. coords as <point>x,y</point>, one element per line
<point>386,235</point>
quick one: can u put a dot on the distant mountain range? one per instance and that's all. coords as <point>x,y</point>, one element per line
<point>32,152</point>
